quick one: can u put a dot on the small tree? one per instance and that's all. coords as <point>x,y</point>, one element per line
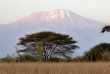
<point>53,45</point>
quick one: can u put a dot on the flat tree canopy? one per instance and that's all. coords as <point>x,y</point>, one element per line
<point>49,44</point>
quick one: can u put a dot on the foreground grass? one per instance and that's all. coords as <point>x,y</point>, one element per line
<point>55,68</point>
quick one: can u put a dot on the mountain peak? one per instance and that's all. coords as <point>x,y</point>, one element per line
<point>57,14</point>
<point>62,13</point>
<point>56,17</point>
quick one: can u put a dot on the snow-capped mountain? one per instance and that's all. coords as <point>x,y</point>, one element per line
<point>83,30</point>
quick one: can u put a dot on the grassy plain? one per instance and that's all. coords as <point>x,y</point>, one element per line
<point>55,68</point>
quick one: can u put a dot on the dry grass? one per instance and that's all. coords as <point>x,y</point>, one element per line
<point>55,68</point>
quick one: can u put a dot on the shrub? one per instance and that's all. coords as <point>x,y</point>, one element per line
<point>97,53</point>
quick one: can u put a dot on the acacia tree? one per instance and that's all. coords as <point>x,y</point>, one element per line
<point>52,45</point>
<point>106,28</point>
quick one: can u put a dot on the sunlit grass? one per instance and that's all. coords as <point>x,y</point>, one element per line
<point>55,68</point>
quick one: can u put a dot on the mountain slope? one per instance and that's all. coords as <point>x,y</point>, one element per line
<point>83,30</point>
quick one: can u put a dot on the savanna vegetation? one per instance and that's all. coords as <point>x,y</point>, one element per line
<point>55,68</point>
<point>100,52</point>
<point>51,53</point>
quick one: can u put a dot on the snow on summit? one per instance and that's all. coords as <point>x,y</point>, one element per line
<point>47,16</point>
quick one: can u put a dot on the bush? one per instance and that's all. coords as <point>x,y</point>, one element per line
<point>97,53</point>
<point>26,58</point>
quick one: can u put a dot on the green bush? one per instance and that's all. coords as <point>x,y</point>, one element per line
<point>26,58</point>
<point>97,53</point>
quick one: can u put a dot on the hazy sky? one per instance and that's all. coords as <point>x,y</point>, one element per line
<point>13,10</point>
